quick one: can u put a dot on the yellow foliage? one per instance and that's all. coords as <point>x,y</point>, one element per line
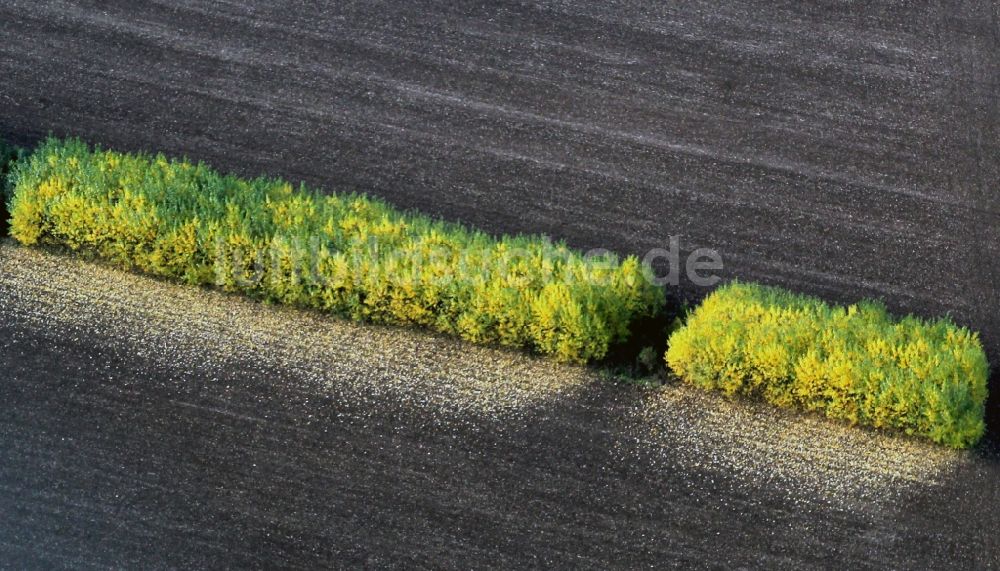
<point>856,363</point>
<point>343,253</point>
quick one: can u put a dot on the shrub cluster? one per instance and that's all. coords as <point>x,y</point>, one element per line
<point>344,253</point>
<point>854,363</point>
<point>358,257</point>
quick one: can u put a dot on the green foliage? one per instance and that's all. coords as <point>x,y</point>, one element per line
<point>854,363</point>
<point>8,154</point>
<point>342,253</point>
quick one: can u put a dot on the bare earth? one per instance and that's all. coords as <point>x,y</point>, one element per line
<point>148,424</point>
<point>843,148</point>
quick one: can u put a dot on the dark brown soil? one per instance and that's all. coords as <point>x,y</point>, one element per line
<point>846,149</point>
<point>155,426</point>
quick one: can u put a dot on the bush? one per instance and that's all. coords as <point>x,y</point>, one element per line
<point>854,363</point>
<point>346,254</point>
<point>8,154</point>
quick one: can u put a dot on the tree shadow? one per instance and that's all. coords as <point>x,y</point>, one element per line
<point>991,440</point>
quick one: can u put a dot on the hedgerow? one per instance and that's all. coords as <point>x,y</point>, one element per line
<point>358,257</point>
<point>343,253</point>
<point>854,363</point>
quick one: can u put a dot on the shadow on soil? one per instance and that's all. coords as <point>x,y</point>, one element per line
<point>642,353</point>
<point>259,449</point>
<point>992,439</point>
<point>639,358</point>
